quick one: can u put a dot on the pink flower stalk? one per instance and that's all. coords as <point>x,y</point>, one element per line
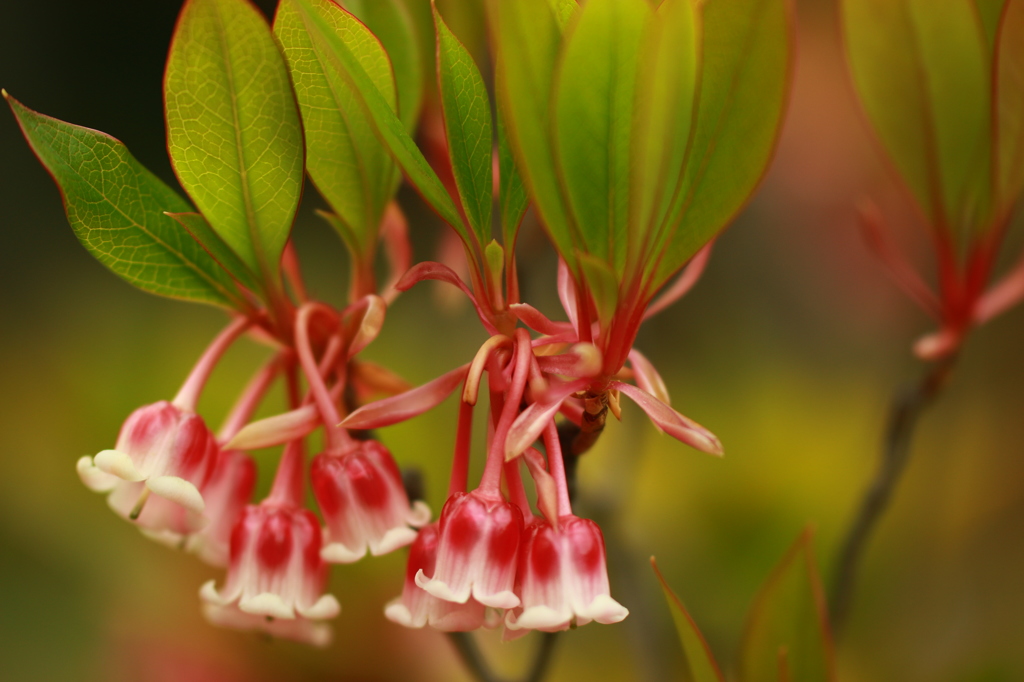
<point>226,495</point>
<point>563,580</point>
<point>363,503</point>
<point>162,450</point>
<point>477,550</point>
<point>416,607</point>
<point>276,578</point>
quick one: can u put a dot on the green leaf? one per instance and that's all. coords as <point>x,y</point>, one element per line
<point>116,208</point>
<point>349,236</point>
<point>352,170</point>
<point>990,11</point>
<point>603,285</point>
<point>594,96</point>
<point>662,123</point>
<point>788,624</point>
<point>527,39</point>
<point>565,10</point>
<point>512,191</point>
<point>333,49</point>
<point>218,249</point>
<point>233,128</point>
<point>920,68</point>
<point>700,663</point>
<point>467,123</point>
<point>744,74</point>
<point>391,22</point>
<point>1009,107</point>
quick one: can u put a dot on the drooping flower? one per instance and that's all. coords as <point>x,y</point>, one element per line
<point>276,578</point>
<point>226,495</point>
<point>363,503</point>
<point>162,450</point>
<point>563,579</point>
<point>477,550</point>
<point>416,607</point>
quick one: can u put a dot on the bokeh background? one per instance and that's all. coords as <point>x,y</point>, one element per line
<point>789,349</point>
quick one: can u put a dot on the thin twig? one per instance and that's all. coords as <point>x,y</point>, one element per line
<point>477,665</point>
<point>907,407</point>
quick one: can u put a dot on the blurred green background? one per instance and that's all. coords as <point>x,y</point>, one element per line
<point>789,349</point>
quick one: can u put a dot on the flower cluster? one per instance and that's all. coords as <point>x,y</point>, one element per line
<point>618,170</point>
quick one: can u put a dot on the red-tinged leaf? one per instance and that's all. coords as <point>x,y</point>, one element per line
<point>351,169</point>
<point>394,233</point>
<point>595,90</point>
<point>583,360</point>
<point>700,663</point>
<point>921,70</point>
<point>233,130</point>
<point>406,405</point>
<point>281,428</point>
<point>1009,106</point>
<point>476,368</point>
<point>538,321</point>
<point>671,422</point>
<point>466,110</point>
<point>788,624</point>
<point>117,209</point>
<point>364,320</point>
<point>218,249</point>
<point>647,376</point>
<point>603,286</point>
<point>442,273</point>
<point>532,421</point>
<point>527,36</point>
<point>567,294</point>
<point>689,277</point>
<point>745,64</point>
<point>338,55</point>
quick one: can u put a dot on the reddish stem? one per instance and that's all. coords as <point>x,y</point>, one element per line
<point>557,467</point>
<point>516,490</point>
<point>250,399</point>
<point>188,396</point>
<point>338,439</point>
<point>463,440</point>
<point>496,456</point>
<point>288,488</point>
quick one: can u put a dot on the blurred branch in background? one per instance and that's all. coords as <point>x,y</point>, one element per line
<point>908,405</point>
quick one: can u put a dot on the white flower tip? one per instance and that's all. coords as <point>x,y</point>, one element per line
<point>164,537</point>
<point>179,491</point>
<point>419,514</point>
<point>94,479</point>
<point>266,604</point>
<point>399,613</point>
<point>506,599</point>
<point>209,594</point>
<point>540,617</point>
<point>605,610</point>
<point>393,539</point>
<point>439,589</point>
<point>318,635</point>
<point>119,464</point>
<point>337,553</point>
<point>326,607</point>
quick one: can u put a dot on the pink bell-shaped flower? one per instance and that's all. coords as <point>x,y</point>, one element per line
<point>476,551</point>
<point>416,607</point>
<point>226,494</point>
<point>276,578</point>
<point>363,503</point>
<point>563,579</point>
<point>162,450</point>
